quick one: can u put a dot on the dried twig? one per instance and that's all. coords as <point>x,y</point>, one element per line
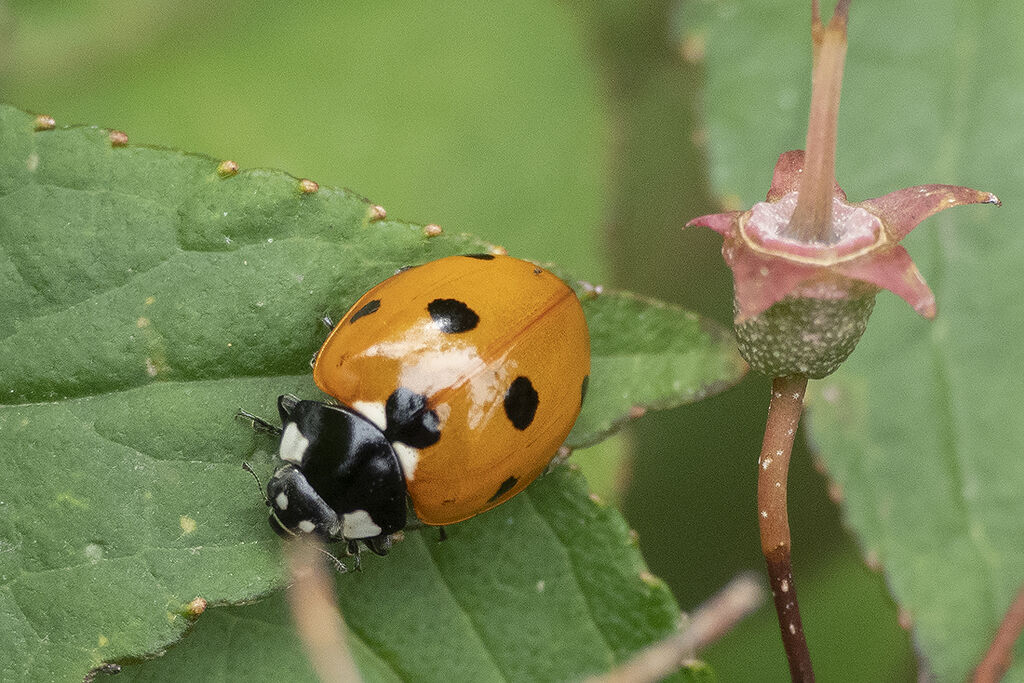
<point>315,612</point>
<point>997,660</point>
<point>708,623</point>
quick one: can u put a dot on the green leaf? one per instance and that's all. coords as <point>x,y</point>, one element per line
<point>518,595</point>
<point>669,357</point>
<point>919,428</point>
<point>144,298</point>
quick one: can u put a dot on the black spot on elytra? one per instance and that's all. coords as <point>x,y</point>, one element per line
<point>505,487</point>
<point>583,389</point>
<point>452,316</point>
<point>370,307</point>
<point>482,257</point>
<point>521,403</point>
<point>408,420</point>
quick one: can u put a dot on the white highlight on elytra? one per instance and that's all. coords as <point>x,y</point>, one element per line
<point>426,367</point>
<point>281,501</point>
<point>359,524</point>
<point>407,457</point>
<point>293,444</point>
<point>785,586</point>
<point>306,526</point>
<point>372,411</point>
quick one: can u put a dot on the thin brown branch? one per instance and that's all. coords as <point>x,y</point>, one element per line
<point>1000,653</point>
<point>315,612</point>
<point>784,411</point>
<point>708,623</point>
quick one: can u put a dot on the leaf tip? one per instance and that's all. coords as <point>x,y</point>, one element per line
<point>591,291</point>
<point>560,458</point>
<point>44,122</point>
<point>194,608</point>
<point>637,411</point>
<point>227,168</point>
<point>118,138</point>
<point>651,580</point>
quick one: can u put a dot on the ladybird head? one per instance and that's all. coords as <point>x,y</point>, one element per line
<point>296,508</point>
<point>340,478</point>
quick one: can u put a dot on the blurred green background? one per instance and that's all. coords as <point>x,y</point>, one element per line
<point>565,131</point>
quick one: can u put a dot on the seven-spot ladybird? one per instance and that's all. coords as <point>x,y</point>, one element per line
<point>456,383</point>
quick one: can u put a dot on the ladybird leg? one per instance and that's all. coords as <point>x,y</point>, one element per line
<point>327,321</point>
<point>338,565</point>
<point>353,549</point>
<point>379,544</point>
<point>442,535</point>
<point>259,425</point>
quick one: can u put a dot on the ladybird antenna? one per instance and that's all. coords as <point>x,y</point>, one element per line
<point>248,468</point>
<point>273,516</point>
<point>259,425</point>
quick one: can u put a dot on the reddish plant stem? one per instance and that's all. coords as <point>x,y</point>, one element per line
<point>812,219</point>
<point>784,411</point>
<point>997,660</point>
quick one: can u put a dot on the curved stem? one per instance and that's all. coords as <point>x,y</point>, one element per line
<point>787,403</point>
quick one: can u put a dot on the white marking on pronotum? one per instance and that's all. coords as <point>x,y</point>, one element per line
<point>359,524</point>
<point>281,501</point>
<point>372,411</point>
<point>293,444</point>
<point>408,457</point>
<point>306,526</point>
